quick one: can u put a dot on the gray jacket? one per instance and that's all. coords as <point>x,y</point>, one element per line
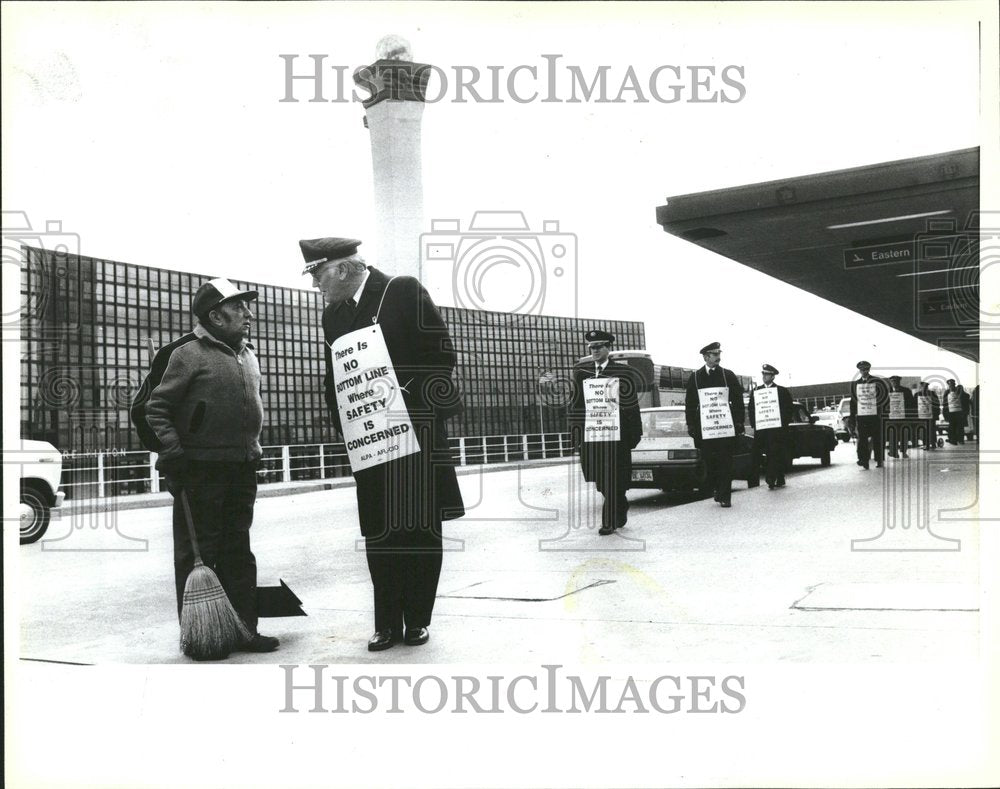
<point>207,406</point>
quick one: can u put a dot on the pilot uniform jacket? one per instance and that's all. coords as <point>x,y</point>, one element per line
<point>413,494</point>
<point>909,402</point>
<point>785,407</point>
<point>881,398</point>
<point>596,455</point>
<point>964,399</point>
<point>935,401</point>
<point>700,379</point>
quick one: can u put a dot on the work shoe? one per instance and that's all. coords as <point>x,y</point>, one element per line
<point>259,643</point>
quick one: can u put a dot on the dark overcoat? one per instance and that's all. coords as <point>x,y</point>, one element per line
<point>413,494</point>
<point>881,398</point>
<point>700,379</point>
<point>599,458</point>
<point>785,407</point>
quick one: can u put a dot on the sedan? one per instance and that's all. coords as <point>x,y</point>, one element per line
<point>806,437</point>
<point>667,459</point>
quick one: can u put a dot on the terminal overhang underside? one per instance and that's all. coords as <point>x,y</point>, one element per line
<point>897,242</point>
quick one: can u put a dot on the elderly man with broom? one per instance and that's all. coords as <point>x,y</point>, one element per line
<point>201,403</point>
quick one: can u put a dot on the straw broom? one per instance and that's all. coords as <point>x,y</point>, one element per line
<point>210,626</point>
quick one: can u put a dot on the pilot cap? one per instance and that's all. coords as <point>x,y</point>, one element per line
<point>599,335</point>
<point>317,251</point>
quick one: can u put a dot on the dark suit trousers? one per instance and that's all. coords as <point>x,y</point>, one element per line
<point>870,439</point>
<point>956,428</point>
<point>773,444</point>
<point>899,434</point>
<point>222,498</point>
<point>405,568</point>
<point>927,432</point>
<point>718,456</point>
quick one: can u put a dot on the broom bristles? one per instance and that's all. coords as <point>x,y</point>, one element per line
<point>210,626</point>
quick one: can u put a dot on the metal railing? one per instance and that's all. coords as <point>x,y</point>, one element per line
<point>119,473</point>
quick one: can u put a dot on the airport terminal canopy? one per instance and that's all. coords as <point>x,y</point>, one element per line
<point>897,242</point>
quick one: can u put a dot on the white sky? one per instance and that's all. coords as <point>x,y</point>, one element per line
<point>155,132</point>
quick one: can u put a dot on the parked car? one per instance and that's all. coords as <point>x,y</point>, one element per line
<point>834,420</point>
<point>41,467</point>
<point>807,438</point>
<point>844,409</point>
<point>667,459</point>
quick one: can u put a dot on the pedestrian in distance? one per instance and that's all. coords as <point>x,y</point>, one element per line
<point>902,410</point>
<point>869,400</point>
<point>770,410</point>
<point>388,386</point>
<point>200,410</point>
<point>956,411</point>
<point>928,406</point>
<point>605,425</point>
<point>715,413</point>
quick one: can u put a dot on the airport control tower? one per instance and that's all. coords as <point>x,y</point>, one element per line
<point>393,115</point>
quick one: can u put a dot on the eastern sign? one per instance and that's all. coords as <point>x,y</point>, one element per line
<point>902,252</point>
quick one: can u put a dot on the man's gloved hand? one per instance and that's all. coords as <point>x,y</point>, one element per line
<point>175,470</point>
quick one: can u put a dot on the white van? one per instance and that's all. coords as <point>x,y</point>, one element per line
<point>41,468</point>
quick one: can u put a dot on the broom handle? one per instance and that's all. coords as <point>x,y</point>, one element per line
<point>190,523</point>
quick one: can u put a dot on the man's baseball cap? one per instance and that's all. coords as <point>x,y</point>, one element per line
<point>215,292</point>
<point>317,251</point>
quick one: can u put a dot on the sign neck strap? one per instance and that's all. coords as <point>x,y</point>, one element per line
<point>378,312</point>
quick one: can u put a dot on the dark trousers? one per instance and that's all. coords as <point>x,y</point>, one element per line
<point>870,439</point>
<point>221,496</point>
<point>956,428</point>
<point>773,444</point>
<point>612,482</point>
<point>927,433</point>
<point>898,433</point>
<point>405,568</point>
<point>718,456</point>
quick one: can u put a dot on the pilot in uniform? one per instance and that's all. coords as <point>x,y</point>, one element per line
<point>772,442</point>
<point>607,463</point>
<point>717,453</point>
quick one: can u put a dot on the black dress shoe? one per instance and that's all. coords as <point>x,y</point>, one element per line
<point>780,483</point>
<point>383,639</point>
<point>415,636</point>
<point>877,465</point>
<point>259,643</point>
<point>771,486</point>
<point>725,504</point>
<point>605,530</point>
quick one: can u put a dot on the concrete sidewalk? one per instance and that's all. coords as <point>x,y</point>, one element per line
<point>822,570</point>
